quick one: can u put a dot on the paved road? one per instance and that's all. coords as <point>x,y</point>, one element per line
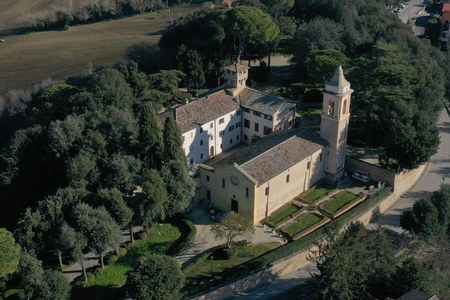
<point>415,12</point>
<point>438,171</point>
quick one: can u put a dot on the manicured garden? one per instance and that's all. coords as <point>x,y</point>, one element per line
<point>301,224</point>
<point>283,214</point>
<point>315,193</point>
<point>212,267</point>
<point>339,201</point>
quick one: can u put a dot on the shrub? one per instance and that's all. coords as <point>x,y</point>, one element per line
<point>111,259</point>
<point>122,251</point>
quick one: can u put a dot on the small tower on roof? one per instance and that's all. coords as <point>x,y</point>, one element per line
<point>236,76</point>
<point>334,122</point>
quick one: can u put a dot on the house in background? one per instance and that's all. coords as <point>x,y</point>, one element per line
<point>257,179</point>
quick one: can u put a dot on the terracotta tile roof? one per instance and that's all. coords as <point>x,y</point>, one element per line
<point>272,155</point>
<point>204,110</point>
<point>280,158</point>
<point>263,102</point>
<point>446,7</point>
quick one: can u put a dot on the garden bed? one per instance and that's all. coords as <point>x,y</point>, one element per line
<point>340,202</point>
<point>283,214</point>
<point>317,192</point>
<point>300,225</point>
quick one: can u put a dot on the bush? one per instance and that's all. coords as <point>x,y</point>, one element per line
<point>90,276</point>
<point>111,259</point>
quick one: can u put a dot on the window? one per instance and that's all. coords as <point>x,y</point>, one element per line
<point>221,120</point>
<point>238,124</point>
<point>201,156</point>
<point>201,142</point>
<point>211,137</point>
<point>231,128</point>
<point>245,137</point>
<point>238,112</point>
<point>267,117</point>
<point>256,127</point>
<point>211,125</point>
<point>267,190</point>
<point>267,130</point>
<point>287,178</point>
<point>257,113</point>
<point>201,130</point>
<point>223,182</point>
<point>237,138</point>
<point>246,192</point>
<point>221,133</point>
<point>191,161</point>
<point>331,108</point>
<point>207,178</point>
<point>231,141</point>
<point>246,123</point>
<point>309,165</point>
<point>345,107</point>
<point>220,146</point>
<point>246,109</point>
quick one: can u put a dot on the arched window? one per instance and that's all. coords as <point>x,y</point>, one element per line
<point>345,107</point>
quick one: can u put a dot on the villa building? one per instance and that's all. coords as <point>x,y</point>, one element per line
<point>225,118</point>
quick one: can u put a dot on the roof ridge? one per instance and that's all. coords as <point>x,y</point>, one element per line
<point>277,145</point>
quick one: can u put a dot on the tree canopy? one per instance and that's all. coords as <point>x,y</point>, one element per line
<point>155,277</point>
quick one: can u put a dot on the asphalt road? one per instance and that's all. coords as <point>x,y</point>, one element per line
<point>437,172</point>
<point>411,10</point>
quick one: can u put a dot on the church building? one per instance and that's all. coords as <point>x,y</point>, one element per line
<point>258,178</point>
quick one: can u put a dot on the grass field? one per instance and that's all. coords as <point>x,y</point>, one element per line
<point>339,201</point>
<point>315,193</point>
<point>108,282</point>
<point>284,214</point>
<point>29,58</point>
<point>205,273</point>
<point>303,222</point>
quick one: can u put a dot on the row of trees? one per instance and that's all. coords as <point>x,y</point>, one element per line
<point>66,14</point>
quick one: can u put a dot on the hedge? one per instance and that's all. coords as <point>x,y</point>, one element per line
<point>188,233</point>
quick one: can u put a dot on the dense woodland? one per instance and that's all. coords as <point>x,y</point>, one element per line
<point>73,153</point>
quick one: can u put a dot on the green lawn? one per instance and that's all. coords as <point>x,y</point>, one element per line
<point>315,193</point>
<point>339,201</point>
<point>284,214</point>
<point>107,284</point>
<point>205,273</point>
<point>303,222</point>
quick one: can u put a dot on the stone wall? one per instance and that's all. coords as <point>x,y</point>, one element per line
<point>401,182</point>
<point>377,173</point>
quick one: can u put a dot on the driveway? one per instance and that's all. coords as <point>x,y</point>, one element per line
<point>414,12</point>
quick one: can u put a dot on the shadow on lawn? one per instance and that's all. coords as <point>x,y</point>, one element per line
<point>98,293</point>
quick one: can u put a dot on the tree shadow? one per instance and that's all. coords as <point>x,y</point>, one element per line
<point>98,293</point>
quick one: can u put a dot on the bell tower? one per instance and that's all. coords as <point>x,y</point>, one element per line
<point>334,122</point>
